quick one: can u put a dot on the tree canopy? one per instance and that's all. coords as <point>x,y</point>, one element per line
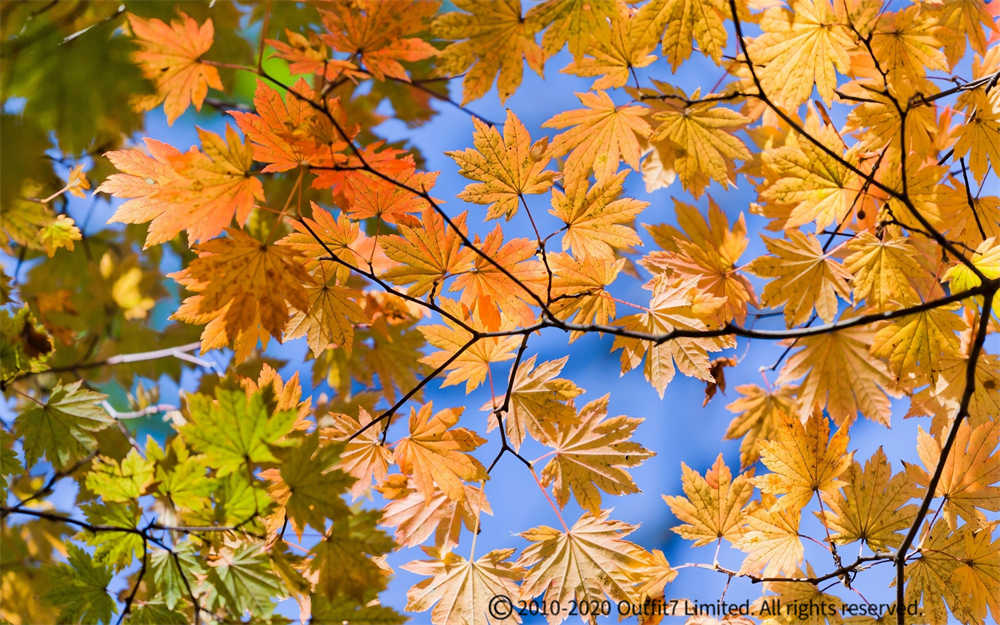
<point>813,179</point>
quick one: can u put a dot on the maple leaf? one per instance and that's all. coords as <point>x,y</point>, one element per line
<point>508,166</point>
<point>976,576</point>
<point>708,250</point>
<point>121,481</point>
<point>599,136</point>
<point>816,186</point>
<point>573,22</point>
<point>416,516</point>
<point>968,478</point>
<point>198,192</point>
<point>804,460</point>
<point>427,254</point>
<point>243,578</point>
<point>489,40</point>
<point>841,377</point>
<point>872,506</point>
<point>540,403</point>
<point>680,21</point>
<point>473,365</point>
<point>906,45</point>
<point>331,314</point>
<point>979,137</point>
<point>703,141</point>
<point>435,452</point>
<point>307,485</point>
<point>287,132</point>
<point>115,548</point>
<point>597,221</point>
<point>770,538</point>
<point>612,53</point>
<point>581,564</point>
<point>490,291</point>
<point>245,289</point>
<point>759,412</point>
<point>170,56</point>
<point>79,587</point>
<point>800,48</point>
<point>712,507</point>
<point>885,271</point>
<point>63,427</point>
<point>461,588</point>
<point>671,307</point>
<point>345,559</point>
<point>233,430</point>
<point>375,31</point>
<point>919,343</point>
<point>364,457</point>
<point>805,277</point>
<point>591,455</point>
<point>579,292</point>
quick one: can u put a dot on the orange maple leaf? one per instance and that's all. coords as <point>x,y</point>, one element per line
<point>196,191</point>
<point>171,58</point>
<point>246,289</point>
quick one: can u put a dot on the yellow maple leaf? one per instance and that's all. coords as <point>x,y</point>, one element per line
<point>712,508</point>
<point>708,250</point>
<point>917,345</point>
<point>801,47</point>
<point>840,376</point>
<point>580,565</point>
<point>672,306</point>
<point>702,137</point>
<point>770,539</point>
<point>597,221</point>
<point>970,473</point>
<point>490,39</point>
<point>676,22</point>
<point>599,136</point>
<point>758,413</point>
<point>436,452</point>
<point>815,185</point>
<point>245,289</point>
<point>804,460</point>
<point>872,506</point>
<point>472,365</point>
<point>591,454</point>
<point>427,253</point>
<point>539,403</point>
<point>613,53</point>
<point>885,271</point>
<point>463,589</point>
<point>508,166</point>
<point>573,22</point>
<point>805,277</point>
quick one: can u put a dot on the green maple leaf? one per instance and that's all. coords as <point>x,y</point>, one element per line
<point>343,557</point>
<point>167,578</point>
<point>344,610</point>
<point>80,587</point>
<point>234,430</point>
<point>9,464</point>
<point>62,428</point>
<point>120,481</point>
<point>308,485</point>
<point>155,614</point>
<point>114,548</point>
<point>245,581</point>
